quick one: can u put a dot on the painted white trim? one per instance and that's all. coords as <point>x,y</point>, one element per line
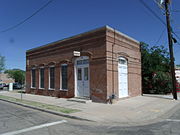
<point>40,78</point>
<point>51,66</point>
<point>75,73</point>
<point>75,79</point>
<point>63,89</point>
<point>123,65</point>
<point>64,64</point>
<point>60,85</point>
<point>34,128</point>
<point>50,89</point>
<point>49,77</point>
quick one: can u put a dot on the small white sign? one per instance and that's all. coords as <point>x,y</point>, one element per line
<point>10,86</point>
<point>76,53</point>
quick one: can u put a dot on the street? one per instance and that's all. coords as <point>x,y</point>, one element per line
<point>15,119</point>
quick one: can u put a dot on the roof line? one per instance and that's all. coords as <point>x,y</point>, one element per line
<point>122,34</point>
<point>68,38</point>
<point>84,33</point>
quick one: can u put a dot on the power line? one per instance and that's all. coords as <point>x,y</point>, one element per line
<point>176,36</point>
<point>160,6</point>
<point>175,11</point>
<point>172,22</point>
<point>154,13</point>
<point>26,19</point>
<point>147,7</point>
<point>160,37</point>
<point>172,30</point>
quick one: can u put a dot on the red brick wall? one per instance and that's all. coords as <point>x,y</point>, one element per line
<point>97,45</point>
<point>91,44</point>
<point>121,46</point>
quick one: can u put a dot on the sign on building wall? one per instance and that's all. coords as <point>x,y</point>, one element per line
<point>76,53</point>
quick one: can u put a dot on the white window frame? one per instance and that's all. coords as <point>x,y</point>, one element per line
<point>31,79</point>
<point>49,77</point>
<point>40,78</point>
<point>61,77</point>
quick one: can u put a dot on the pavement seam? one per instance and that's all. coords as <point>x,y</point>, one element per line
<point>48,111</point>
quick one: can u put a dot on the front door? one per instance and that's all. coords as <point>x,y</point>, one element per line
<point>82,77</point>
<point>123,77</point>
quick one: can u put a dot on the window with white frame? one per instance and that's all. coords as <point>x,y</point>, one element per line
<point>41,78</point>
<point>51,77</point>
<point>33,78</point>
<point>64,78</point>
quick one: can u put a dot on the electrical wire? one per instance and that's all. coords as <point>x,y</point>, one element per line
<point>171,9</point>
<point>160,6</point>
<point>147,7</point>
<point>176,37</point>
<point>26,19</point>
<point>160,37</point>
<point>162,12</point>
<point>175,11</point>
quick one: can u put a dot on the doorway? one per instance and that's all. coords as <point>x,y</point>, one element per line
<point>82,77</point>
<point>123,77</point>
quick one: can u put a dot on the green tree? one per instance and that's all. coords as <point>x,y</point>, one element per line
<point>155,69</point>
<point>17,74</point>
<point>2,63</point>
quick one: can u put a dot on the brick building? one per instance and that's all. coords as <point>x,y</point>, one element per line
<point>109,64</point>
<point>177,73</point>
<point>4,78</point>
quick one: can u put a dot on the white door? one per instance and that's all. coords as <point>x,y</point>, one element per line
<point>79,82</point>
<point>82,77</point>
<point>86,81</point>
<point>123,77</point>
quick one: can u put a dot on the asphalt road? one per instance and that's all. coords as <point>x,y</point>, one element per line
<point>15,119</point>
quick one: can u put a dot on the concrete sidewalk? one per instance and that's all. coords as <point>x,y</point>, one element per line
<point>127,112</point>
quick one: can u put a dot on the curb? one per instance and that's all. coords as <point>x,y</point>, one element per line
<point>47,111</point>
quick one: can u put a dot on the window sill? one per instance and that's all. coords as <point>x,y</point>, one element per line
<point>42,88</point>
<point>33,87</point>
<point>63,89</point>
<point>51,89</point>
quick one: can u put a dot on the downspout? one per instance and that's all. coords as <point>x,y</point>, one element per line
<point>141,69</point>
<point>113,95</point>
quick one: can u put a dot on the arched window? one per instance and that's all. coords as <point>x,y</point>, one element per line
<point>122,61</point>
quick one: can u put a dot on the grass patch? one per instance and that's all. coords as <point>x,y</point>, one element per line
<point>18,91</point>
<point>41,105</point>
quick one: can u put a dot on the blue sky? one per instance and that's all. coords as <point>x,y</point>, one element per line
<point>65,18</point>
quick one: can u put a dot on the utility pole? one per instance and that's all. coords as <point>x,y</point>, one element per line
<point>174,92</point>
